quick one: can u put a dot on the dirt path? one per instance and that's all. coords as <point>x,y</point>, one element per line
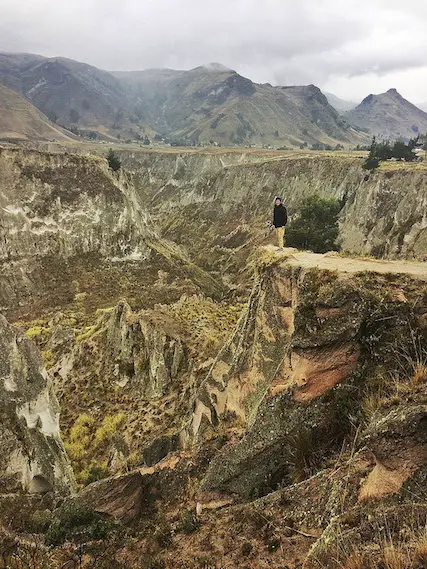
<point>334,262</point>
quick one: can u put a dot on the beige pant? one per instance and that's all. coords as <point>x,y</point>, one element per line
<point>280,233</point>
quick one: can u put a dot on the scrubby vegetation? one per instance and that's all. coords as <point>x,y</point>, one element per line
<point>89,444</point>
<point>316,226</point>
<point>113,160</point>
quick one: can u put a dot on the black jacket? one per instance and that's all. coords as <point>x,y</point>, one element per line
<point>280,218</point>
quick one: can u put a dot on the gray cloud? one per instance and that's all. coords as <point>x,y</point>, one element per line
<point>339,45</point>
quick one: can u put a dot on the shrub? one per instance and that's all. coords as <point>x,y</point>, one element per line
<point>302,459</point>
<point>420,552</point>
<point>39,521</point>
<point>316,227</point>
<point>48,358</point>
<point>87,445</point>
<point>35,331</point>
<point>108,429</point>
<point>113,160</point>
<point>380,151</point>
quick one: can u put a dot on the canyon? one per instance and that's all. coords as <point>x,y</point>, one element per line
<point>174,383</point>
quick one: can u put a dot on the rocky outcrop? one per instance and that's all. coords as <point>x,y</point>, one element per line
<point>33,458</point>
<point>137,368</point>
<point>151,354</point>
<point>55,208</point>
<point>302,354</point>
<point>387,217</point>
<point>136,494</point>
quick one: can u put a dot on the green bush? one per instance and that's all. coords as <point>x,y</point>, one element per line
<point>189,522</point>
<point>114,161</point>
<point>316,227</point>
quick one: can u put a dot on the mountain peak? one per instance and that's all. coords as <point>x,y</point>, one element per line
<point>394,93</point>
<point>388,115</point>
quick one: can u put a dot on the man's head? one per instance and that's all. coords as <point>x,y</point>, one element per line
<point>278,201</point>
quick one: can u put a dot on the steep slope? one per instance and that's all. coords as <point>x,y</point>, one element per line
<point>389,115</point>
<point>20,120</point>
<point>229,196</point>
<point>251,406</point>
<point>68,92</point>
<point>72,229</point>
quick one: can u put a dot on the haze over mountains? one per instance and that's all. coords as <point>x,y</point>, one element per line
<point>208,104</point>
<point>340,104</point>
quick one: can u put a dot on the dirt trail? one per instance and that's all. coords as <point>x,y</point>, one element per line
<point>334,262</point>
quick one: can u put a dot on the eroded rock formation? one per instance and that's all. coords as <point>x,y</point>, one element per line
<point>33,458</point>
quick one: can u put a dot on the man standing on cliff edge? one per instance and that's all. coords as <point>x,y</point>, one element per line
<point>280,219</point>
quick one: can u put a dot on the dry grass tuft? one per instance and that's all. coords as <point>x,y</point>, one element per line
<point>372,402</point>
<point>420,549</point>
<point>396,557</point>
<point>355,560</point>
<point>420,373</point>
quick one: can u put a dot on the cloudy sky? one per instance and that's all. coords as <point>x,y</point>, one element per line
<point>348,47</point>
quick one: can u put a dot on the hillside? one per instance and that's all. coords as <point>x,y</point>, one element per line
<point>218,402</point>
<point>389,115</point>
<point>20,120</point>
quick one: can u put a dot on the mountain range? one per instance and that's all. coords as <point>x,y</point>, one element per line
<point>210,104</point>
<point>206,104</point>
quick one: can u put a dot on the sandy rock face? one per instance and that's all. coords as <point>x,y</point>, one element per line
<point>33,458</point>
<point>56,207</point>
<point>62,205</point>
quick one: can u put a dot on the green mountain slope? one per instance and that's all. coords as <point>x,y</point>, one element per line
<point>70,93</point>
<point>215,103</point>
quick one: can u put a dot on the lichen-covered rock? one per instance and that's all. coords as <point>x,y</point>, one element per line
<point>33,458</point>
